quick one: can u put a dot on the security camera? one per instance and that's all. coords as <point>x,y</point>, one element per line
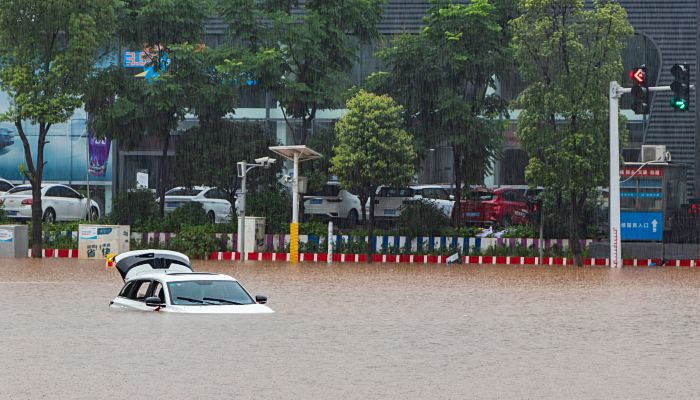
<point>265,161</point>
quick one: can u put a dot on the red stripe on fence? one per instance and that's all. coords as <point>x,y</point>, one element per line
<point>432,259</point>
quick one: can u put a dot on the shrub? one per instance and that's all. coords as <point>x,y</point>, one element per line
<point>135,208</point>
<point>187,214</point>
<point>197,241</point>
<point>275,204</point>
<point>421,217</point>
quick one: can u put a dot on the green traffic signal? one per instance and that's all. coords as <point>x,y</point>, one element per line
<point>679,103</point>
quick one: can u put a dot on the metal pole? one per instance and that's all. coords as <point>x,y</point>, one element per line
<point>614,195</point>
<point>294,228</point>
<point>541,243</point>
<point>241,218</point>
<point>295,190</point>
<point>330,242</point>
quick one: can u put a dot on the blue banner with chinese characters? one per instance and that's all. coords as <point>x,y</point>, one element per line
<point>641,226</point>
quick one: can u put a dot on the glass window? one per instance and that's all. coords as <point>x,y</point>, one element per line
<point>190,293</point>
<point>54,192</point>
<point>69,193</point>
<point>140,290</point>
<point>4,186</point>
<point>126,289</point>
<point>158,291</point>
<point>183,192</point>
<point>19,189</point>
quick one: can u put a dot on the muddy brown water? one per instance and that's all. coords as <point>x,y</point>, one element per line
<point>358,332</point>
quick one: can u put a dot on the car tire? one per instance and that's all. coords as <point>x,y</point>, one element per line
<point>94,214</point>
<point>49,216</point>
<point>352,219</point>
<point>506,221</point>
<point>211,217</point>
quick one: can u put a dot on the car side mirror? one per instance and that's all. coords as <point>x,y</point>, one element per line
<point>260,299</point>
<point>154,301</point>
<point>451,197</point>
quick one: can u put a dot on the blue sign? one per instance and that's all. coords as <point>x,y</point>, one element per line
<point>642,226</point>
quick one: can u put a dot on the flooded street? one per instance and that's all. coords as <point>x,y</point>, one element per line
<point>357,332</point>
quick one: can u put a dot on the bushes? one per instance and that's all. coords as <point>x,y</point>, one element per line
<point>422,217</point>
<point>275,205</point>
<point>197,241</point>
<point>136,208</point>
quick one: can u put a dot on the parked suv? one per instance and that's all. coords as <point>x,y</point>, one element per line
<point>332,202</point>
<point>501,206</point>
<point>389,200</point>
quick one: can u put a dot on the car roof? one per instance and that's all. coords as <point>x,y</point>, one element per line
<point>193,187</point>
<point>427,187</point>
<point>167,277</point>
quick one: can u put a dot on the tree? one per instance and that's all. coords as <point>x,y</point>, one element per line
<point>316,48</point>
<point>372,149</point>
<point>211,151</point>
<point>125,107</point>
<point>443,76</point>
<point>47,50</point>
<point>568,55</point>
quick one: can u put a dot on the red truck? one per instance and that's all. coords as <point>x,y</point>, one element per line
<point>501,206</point>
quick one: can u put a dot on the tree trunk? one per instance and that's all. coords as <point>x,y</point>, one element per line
<point>370,228</point>
<point>34,173</point>
<point>363,205</point>
<point>457,165</point>
<point>162,175</point>
<point>574,243</point>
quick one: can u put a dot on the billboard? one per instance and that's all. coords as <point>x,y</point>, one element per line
<point>65,153</point>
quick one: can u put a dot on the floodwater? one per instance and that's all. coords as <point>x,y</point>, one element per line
<point>358,332</point>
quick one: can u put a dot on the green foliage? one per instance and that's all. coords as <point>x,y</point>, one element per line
<point>212,151</point>
<point>310,53</point>
<point>442,76</point>
<point>47,50</point>
<point>372,149</point>
<point>421,217</point>
<point>134,208</point>
<point>188,214</point>
<point>197,241</point>
<point>275,204</point>
<point>315,228</point>
<point>568,54</point>
<point>522,231</point>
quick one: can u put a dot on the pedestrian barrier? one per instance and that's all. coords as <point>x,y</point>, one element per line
<point>383,244</point>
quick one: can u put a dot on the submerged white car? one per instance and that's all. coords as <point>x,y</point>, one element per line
<point>163,280</point>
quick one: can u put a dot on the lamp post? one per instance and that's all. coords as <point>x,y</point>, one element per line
<point>297,154</point>
<point>243,167</point>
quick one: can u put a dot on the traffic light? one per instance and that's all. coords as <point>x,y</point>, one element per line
<point>680,87</point>
<point>640,90</point>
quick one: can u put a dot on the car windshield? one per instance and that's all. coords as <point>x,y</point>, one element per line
<point>193,293</point>
<point>183,192</point>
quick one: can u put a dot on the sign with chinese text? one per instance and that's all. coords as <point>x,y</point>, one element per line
<point>641,226</point>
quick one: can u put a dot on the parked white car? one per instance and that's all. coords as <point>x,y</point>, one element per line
<point>213,200</point>
<point>58,203</point>
<point>162,280</point>
<point>389,200</point>
<point>334,203</point>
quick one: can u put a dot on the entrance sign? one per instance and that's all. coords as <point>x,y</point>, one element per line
<point>642,226</point>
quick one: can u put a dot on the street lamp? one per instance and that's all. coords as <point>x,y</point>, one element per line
<point>297,154</point>
<point>243,168</point>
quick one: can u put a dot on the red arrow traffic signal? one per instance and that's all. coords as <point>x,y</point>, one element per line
<point>638,76</point>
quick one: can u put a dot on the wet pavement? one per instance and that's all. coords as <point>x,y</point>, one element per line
<point>358,332</point>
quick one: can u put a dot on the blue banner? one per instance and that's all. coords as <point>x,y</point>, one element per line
<point>642,226</point>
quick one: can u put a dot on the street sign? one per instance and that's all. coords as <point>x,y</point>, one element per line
<point>642,226</point>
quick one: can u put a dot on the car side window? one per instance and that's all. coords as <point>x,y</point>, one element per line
<point>126,290</point>
<point>69,193</point>
<point>54,192</point>
<point>4,186</point>
<point>158,291</point>
<point>140,290</point>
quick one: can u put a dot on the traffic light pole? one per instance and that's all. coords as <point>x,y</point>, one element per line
<point>616,91</point>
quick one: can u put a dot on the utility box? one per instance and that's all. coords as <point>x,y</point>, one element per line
<point>96,241</point>
<point>254,234</point>
<point>14,241</point>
